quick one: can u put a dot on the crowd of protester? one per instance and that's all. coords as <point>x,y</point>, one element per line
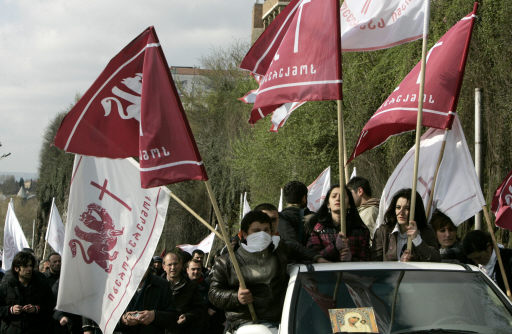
<point>180,294</point>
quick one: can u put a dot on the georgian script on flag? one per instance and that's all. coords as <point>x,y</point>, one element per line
<point>297,56</point>
<point>113,229</point>
<point>133,109</point>
<point>379,24</point>
<point>443,78</point>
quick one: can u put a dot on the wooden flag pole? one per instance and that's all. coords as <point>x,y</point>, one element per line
<point>439,160</point>
<point>342,171</point>
<point>33,232</point>
<point>419,119</point>
<point>341,132</point>
<point>497,251</point>
<point>229,247</point>
<point>345,155</point>
<point>192,212</point>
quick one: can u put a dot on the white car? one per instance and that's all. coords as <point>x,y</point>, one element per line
<point>393,297</point>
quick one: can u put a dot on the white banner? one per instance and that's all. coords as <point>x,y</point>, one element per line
<point>247,207</point>
<point>318,189</point>
<point>368,25</point>
<point>55,230</point>
<point>14,239</point>
<point>457,192</point>
<point>205,245</point>
<point>112,232</point>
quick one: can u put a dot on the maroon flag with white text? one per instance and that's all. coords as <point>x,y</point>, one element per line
<point>502,203</point>
<point>133,109</point>
<point>446,61</point>
<point>299,57</point>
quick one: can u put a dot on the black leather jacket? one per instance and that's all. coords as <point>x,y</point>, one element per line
<point>265,276</point>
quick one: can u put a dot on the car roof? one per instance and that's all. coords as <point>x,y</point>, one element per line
<point>392,265</point>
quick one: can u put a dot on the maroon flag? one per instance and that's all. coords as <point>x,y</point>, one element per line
<point>502,203</point>
<point>299,57</point>
<point>133,109</point>
<point>446,61</point>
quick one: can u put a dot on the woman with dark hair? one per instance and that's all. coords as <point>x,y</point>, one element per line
<point>324,230</point>
<point>450,246</point>
<point>390,240</point>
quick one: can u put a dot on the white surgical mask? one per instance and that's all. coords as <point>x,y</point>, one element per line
<point>256,242</point>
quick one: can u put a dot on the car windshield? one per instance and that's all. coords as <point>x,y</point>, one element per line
<point>397,301</point>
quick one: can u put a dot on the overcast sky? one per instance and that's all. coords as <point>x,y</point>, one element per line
<point>50,50</point>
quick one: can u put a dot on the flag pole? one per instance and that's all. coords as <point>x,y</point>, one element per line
<point>225,237</point>
<point>497,251</point>
<point>341,131</point>
<point>48,228</point>
<point>192,212</point>
<point>419,119</point>
<point>439,160</point>
<point>33,232</point>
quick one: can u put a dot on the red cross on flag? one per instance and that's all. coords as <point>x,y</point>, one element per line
<point>502,203</point>
<point>133,109</point>
<point>112,232</point>
<point>298,57</point>
<point>446,61</point>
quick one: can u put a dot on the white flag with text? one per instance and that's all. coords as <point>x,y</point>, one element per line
<point>318,189</point>
<point>457,192</point>
<point>55,230</point>
<point>14,238</point>
<point>368,25</point>
<point>113,227</point>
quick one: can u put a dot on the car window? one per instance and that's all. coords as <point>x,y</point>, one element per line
<point>401,301</point>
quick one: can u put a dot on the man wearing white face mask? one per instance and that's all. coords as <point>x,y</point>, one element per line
<point>263,266</point>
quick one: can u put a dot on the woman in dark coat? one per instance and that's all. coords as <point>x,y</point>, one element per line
<point>390,241</point>
<point>324,230</point>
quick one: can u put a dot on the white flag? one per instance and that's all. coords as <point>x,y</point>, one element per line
<point>14,239</point>
<point>247,207</point>
<point>280,205</point>
<point>55,230</point>
<point>205,245</point>
<point>354,173</point>
<point>457,192</point>
<point>318,189</point>
<point>112,232</point>
<point>379,24</point>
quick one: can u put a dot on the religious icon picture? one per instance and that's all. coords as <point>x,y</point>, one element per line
<point>353,320</point>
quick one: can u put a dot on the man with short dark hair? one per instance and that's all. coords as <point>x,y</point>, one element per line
<point>53,273</point>
<point>185,295</point>
<point>367,206</point>
<point>272,212</point>
<point>479,249</point>
<point>26,301</point>
<point>263,266</point>
<point>291,222</point>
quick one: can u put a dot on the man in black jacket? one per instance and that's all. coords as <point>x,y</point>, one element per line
<point>291,222</point>
<point>263,266</point>
<point>26,301</point>
<point>150,310</point>
<point>184,296</point>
